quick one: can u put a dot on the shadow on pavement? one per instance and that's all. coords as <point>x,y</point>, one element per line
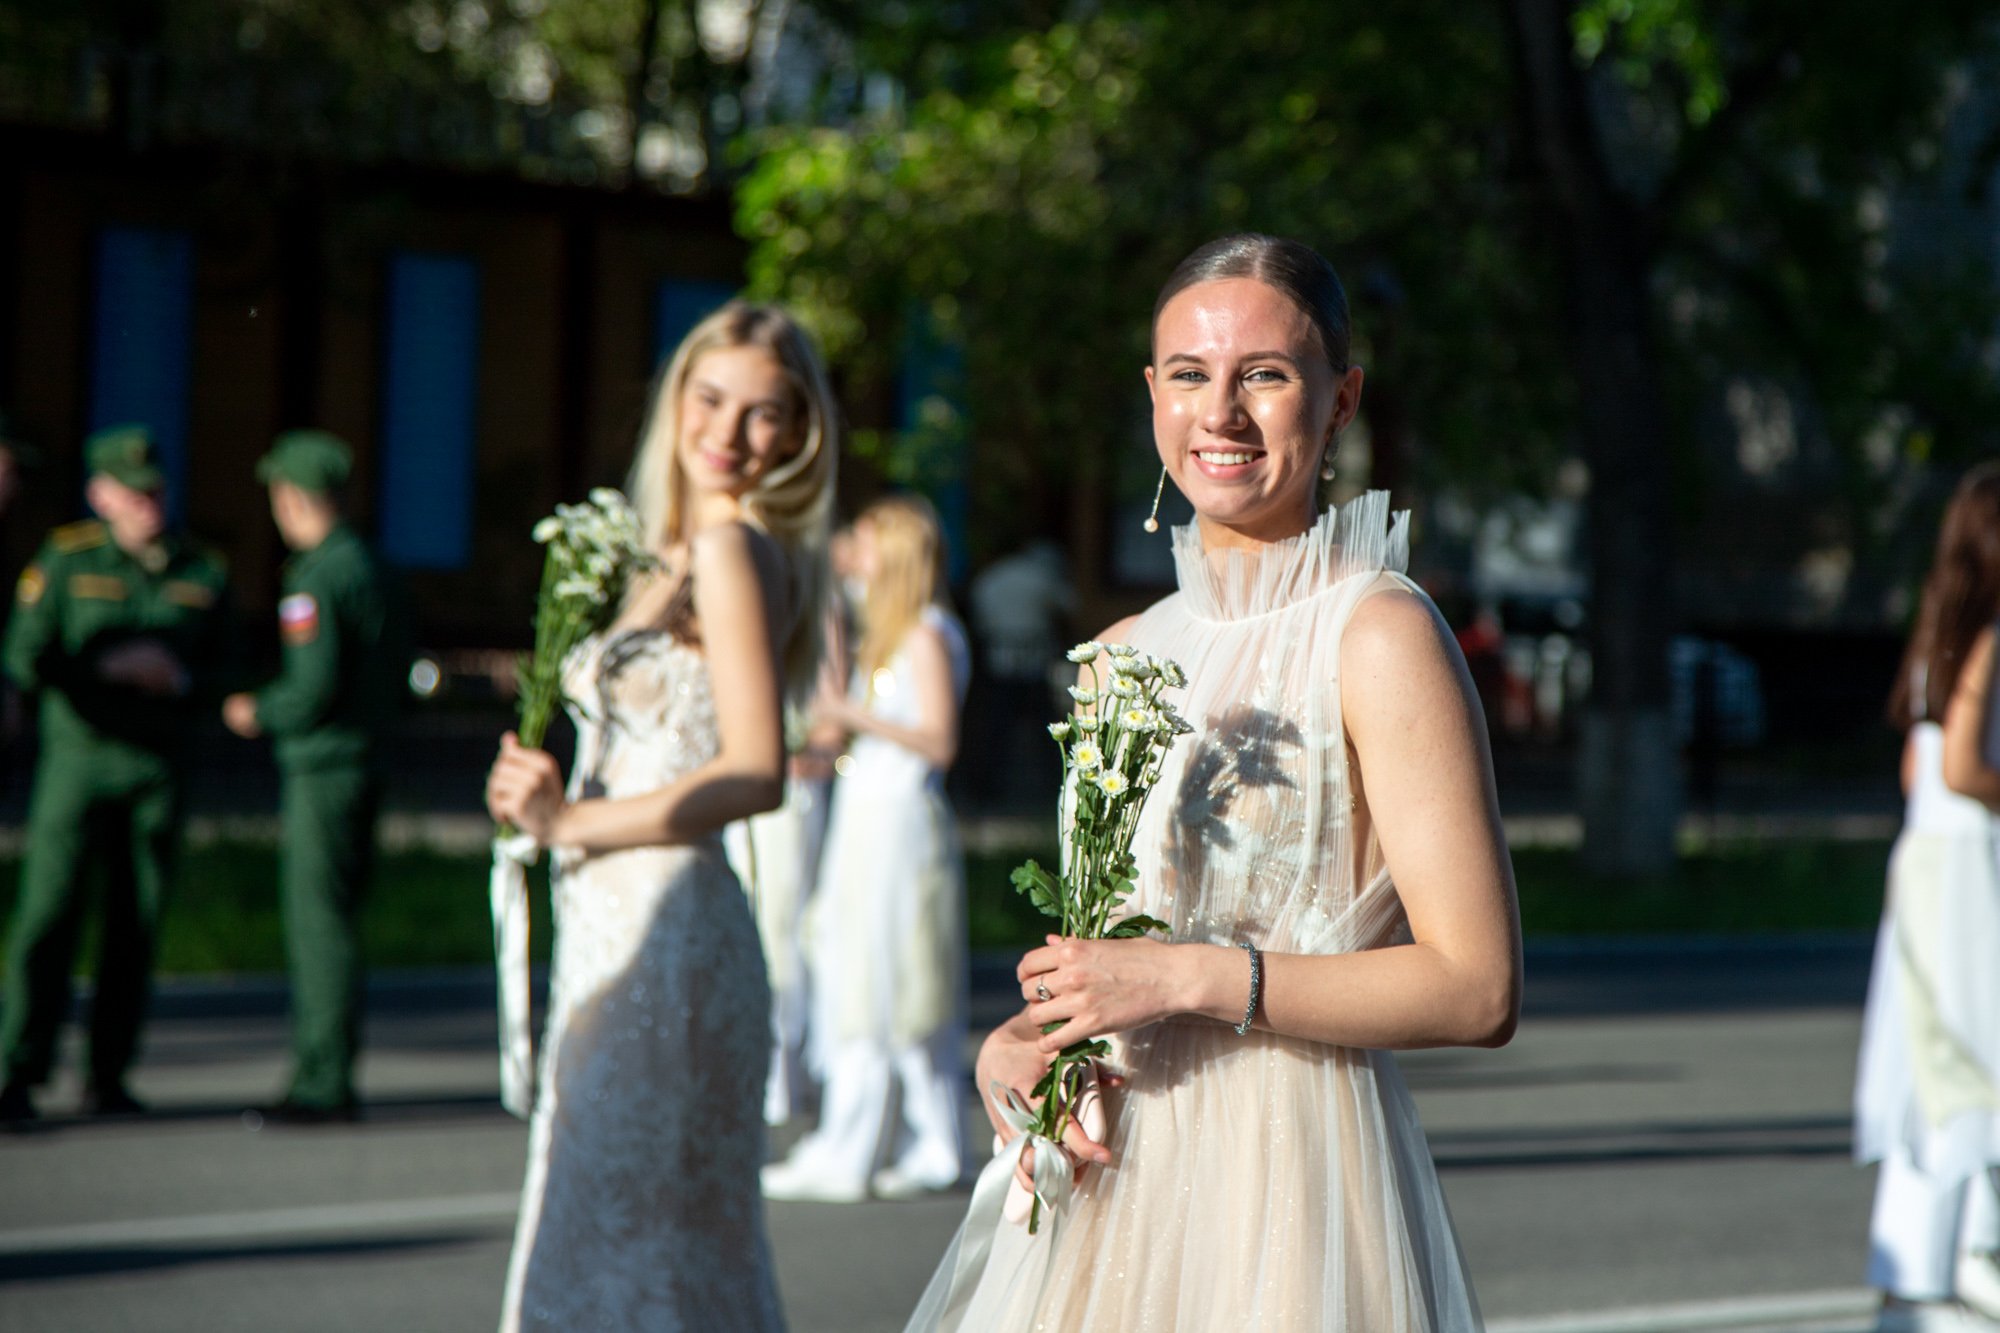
<point>66,1264</point>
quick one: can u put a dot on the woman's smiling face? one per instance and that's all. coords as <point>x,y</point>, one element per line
<point>1245,406</point>
<point>738,419</point>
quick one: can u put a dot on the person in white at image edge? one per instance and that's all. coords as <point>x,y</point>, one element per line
<point>1927,1095</point>
<point>1332,815</point>
<point>640,1210</point>
<point>776,855</point>
<point>886,935</point>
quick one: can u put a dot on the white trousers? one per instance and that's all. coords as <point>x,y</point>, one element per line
<point>895,1109</point>
<point>1920,1227</point>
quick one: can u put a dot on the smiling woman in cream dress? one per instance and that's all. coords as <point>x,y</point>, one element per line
<point>1334,811</point>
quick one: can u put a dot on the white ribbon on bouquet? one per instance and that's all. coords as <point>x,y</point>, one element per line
<point>508,890</point>
<point>998,1197</point>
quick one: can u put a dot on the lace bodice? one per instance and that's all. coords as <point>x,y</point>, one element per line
<point>1257,831</point>
<point>644,713</point>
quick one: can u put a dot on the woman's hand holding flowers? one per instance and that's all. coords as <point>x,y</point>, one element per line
<point>524,789</point>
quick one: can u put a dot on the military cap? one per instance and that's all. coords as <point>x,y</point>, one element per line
<point>125,454</point>
<point>312,460</point>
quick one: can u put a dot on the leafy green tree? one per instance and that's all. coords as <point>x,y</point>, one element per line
<point>1041,179</point>
<point>1589,214</point>
<point>1715,182</point>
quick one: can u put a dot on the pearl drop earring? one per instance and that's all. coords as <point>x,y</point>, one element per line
<point>1152,523</point>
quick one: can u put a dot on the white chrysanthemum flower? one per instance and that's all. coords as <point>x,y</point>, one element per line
<point>1087,722</point>
<point>1124,687</point>
<point>1059,730</point>
<point>1086,757</point>
<point>1121,650</point>
<point>607,499</point>
<point>1084,652</point>
<point>548,529</point>
<point>1083,694</point>
<point>1137,719</point>
<point>1138,668</point>
<point>1171,672</point>
<point>1112,782</point>
<point>584,589</point>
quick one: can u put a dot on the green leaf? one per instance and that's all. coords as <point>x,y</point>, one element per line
<point>1040,886</point>
<point>1134,926</point>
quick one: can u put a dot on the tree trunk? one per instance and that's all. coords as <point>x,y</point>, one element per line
<point>1628,777</point>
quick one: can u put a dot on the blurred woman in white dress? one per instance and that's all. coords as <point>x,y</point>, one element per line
<point>776,855</point>
<point>1327,849</point>
<point>886,934</point>
<point>640,1210</point>
<point>1927,1097</point>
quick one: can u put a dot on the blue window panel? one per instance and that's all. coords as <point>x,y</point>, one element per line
<point>430,392</point>
<point>678,305</point>
<point>142,341</point>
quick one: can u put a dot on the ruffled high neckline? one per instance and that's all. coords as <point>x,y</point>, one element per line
<point>1361,536</point>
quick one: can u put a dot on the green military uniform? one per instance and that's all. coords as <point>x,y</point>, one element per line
<point>342,677</point>
<point>107,787</point>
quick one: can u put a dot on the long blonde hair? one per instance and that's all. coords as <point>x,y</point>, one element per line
<point>908,576</point>
<point>793,502</point>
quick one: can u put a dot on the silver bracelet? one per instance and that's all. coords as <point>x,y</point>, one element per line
<point>1256,986</point>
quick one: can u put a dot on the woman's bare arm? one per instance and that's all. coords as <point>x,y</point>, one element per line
<point>934,736</point>
<point>1967,769</point>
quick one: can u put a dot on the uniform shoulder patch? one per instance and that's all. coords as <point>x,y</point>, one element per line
<point>298,618</point>
<point>73,537</point>
<point>32,585</point>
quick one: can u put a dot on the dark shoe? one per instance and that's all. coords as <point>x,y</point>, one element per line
<point>17,1108</point>
<point>292,1112</point>
<point>112,1099</point>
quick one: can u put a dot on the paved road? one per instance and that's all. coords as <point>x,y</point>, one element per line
<point>1663,1146</point>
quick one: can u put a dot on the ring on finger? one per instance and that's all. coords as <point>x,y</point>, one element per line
<point>1042,992</point>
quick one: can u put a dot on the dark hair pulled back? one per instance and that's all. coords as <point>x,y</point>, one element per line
<point>1292,267</point>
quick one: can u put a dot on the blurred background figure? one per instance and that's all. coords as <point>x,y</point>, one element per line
<point>118,625</point>
<point>1927,1101</point>
<point>776,855</point>
<point>328,711</point>
<point>886,931</point>
<point>1021,606</point>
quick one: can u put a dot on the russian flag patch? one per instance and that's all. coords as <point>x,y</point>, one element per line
<point>298,618</point>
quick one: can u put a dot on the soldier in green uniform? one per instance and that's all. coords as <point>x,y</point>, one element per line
<point>342,676</point>
<point>118,626</point>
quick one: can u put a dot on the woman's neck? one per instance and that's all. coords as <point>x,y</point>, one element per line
<point>1219,536</point>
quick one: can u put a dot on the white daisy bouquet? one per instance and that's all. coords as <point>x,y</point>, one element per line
<point>1113,744</point>
<point>594,551</point>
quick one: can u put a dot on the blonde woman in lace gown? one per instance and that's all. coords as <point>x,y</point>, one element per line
<point>641,1209</point>
<point>1335,809</point>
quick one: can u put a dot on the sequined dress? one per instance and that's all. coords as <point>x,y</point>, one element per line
<point>1262,1182</point>
<point>641,1209</point>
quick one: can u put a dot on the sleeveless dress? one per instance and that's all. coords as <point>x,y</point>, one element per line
<point>1262,1182</point>
<point>887,951</point>
<point>1929,1077</point>
<point>641,1209</point>
<point>776,856</point>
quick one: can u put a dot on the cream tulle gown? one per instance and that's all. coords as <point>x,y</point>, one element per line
<point>641,1209</point>
<point>1262,1182</point>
